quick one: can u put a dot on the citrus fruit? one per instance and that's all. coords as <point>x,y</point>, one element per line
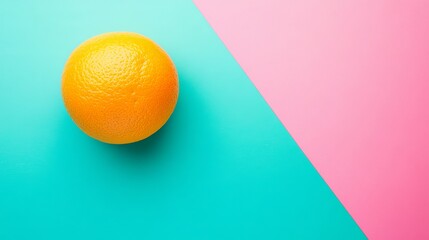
<point>119,87</point>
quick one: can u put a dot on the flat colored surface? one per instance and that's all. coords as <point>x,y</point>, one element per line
<point>350,81</point>
<point>222,168</point>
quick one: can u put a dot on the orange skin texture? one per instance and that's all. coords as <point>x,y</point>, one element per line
<point>120,87</point>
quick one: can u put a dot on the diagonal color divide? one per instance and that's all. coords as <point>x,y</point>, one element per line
<point>350,81</point>
<point>223,167</point>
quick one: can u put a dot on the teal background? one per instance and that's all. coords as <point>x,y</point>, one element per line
<point>223,167</point>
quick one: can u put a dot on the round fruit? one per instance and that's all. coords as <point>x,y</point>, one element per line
<point>120,87</point>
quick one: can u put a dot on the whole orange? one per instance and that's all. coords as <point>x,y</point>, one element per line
<point>120,87</point>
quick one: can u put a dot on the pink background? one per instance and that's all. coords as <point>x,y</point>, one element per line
<point>350,82</point>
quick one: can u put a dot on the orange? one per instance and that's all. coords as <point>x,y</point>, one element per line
<point>120,87</point>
